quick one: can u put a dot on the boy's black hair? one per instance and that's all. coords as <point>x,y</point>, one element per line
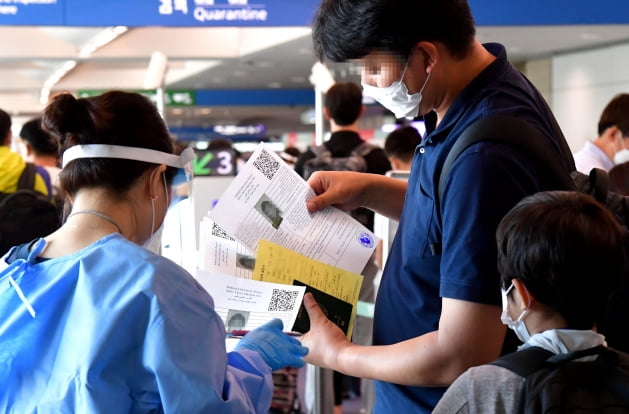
<point>567,249</point>
<point>401,143</point>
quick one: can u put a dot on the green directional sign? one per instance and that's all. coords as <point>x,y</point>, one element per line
<point>214,162</point>
<point>173,97</point>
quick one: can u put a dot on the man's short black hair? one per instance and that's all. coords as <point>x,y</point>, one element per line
<point>351,29</point>
<point>616,113</point>
<point>5,126</point>
<point>41,142</point>
<point>344,102</point>
<point>401,143</point>
<point>567,249</point>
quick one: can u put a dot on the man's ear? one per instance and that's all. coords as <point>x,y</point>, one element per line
<point>610,134</point>
<point>28,148</point>
<point>7,139</point>
<point>326,114</point>
<point>525,298</point>
<point>429,53</point>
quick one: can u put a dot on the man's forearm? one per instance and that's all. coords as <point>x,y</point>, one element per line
<point>385,195</point>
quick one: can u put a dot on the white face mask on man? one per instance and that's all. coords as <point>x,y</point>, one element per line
<point>517,325</point>
<point>622,155</point>
<point>396,98</point>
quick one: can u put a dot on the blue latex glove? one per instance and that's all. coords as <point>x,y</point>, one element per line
<point>276,348</point>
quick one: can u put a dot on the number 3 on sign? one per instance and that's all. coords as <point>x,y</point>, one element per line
<point>214,162</point>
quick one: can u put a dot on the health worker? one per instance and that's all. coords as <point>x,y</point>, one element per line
<point>90,321</point>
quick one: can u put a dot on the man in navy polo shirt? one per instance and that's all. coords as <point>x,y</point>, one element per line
<point>438,307</point>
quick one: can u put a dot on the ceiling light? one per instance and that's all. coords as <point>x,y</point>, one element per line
<point>67,66</point>
<point>99,40</point>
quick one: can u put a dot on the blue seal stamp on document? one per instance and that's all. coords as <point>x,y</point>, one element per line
<point>365,239</point>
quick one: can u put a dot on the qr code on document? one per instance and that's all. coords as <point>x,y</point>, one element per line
<point>266,164</point>
<point>282,300</point>
<point>219,232</point>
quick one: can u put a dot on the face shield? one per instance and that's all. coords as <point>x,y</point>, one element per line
<point>182,162</point>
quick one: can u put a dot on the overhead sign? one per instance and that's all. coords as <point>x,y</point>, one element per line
<point>172,97</point>
<point>32,12</point>
<point>232,132</point>
<point>242,13</point>
<point>214,162</point>
<point>183,13</point>
<point>544,12</point>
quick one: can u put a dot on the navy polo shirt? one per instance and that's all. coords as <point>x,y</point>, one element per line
<point>485,182</point>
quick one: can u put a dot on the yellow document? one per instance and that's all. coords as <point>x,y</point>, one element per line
<point>278,264</point>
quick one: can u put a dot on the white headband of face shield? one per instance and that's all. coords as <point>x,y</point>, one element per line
<point>129,153</point>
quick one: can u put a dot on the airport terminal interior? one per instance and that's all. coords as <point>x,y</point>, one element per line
<point>254,77</point>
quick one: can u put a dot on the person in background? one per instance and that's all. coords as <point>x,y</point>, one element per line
<point>400,146</point>
<point>560,256</point>
<point>90,321</point>
<point>12,164</point>
<point>37,147</point>
<point>612,145</point>
<point>27,209</point>
<point>290,155</point>
<point>437,311</point>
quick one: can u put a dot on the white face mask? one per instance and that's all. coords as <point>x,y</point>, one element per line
<point>518,325</point>
<point>622,155</point>
<point>153,243</point>
<point>396,98</point>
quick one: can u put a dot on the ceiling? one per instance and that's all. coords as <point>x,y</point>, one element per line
<point>218,58</point>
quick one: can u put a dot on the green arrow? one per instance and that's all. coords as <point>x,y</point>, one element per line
<point>200,166</point>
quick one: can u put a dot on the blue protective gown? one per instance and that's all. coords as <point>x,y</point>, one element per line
<point>118,329</point>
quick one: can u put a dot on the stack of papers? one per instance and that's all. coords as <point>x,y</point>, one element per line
<point>261,249</point>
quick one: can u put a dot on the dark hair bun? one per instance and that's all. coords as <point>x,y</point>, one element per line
<point>68,119</point>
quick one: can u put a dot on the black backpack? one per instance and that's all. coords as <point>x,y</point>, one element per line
<point>25,214</point>
<point>559,384</point>
<point>324,161</point>
<point>505,128</point>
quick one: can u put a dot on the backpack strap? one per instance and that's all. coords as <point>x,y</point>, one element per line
<point>27,178</point>
<point>513,130</point>
<point>524,362</point>
<point>319,150</point>
<point>532,359</point>
<point>363,149</point>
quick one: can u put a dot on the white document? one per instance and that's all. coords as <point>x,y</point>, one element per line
<point>267,200</point>
<point>245,304</point>
<point>220,253</point>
